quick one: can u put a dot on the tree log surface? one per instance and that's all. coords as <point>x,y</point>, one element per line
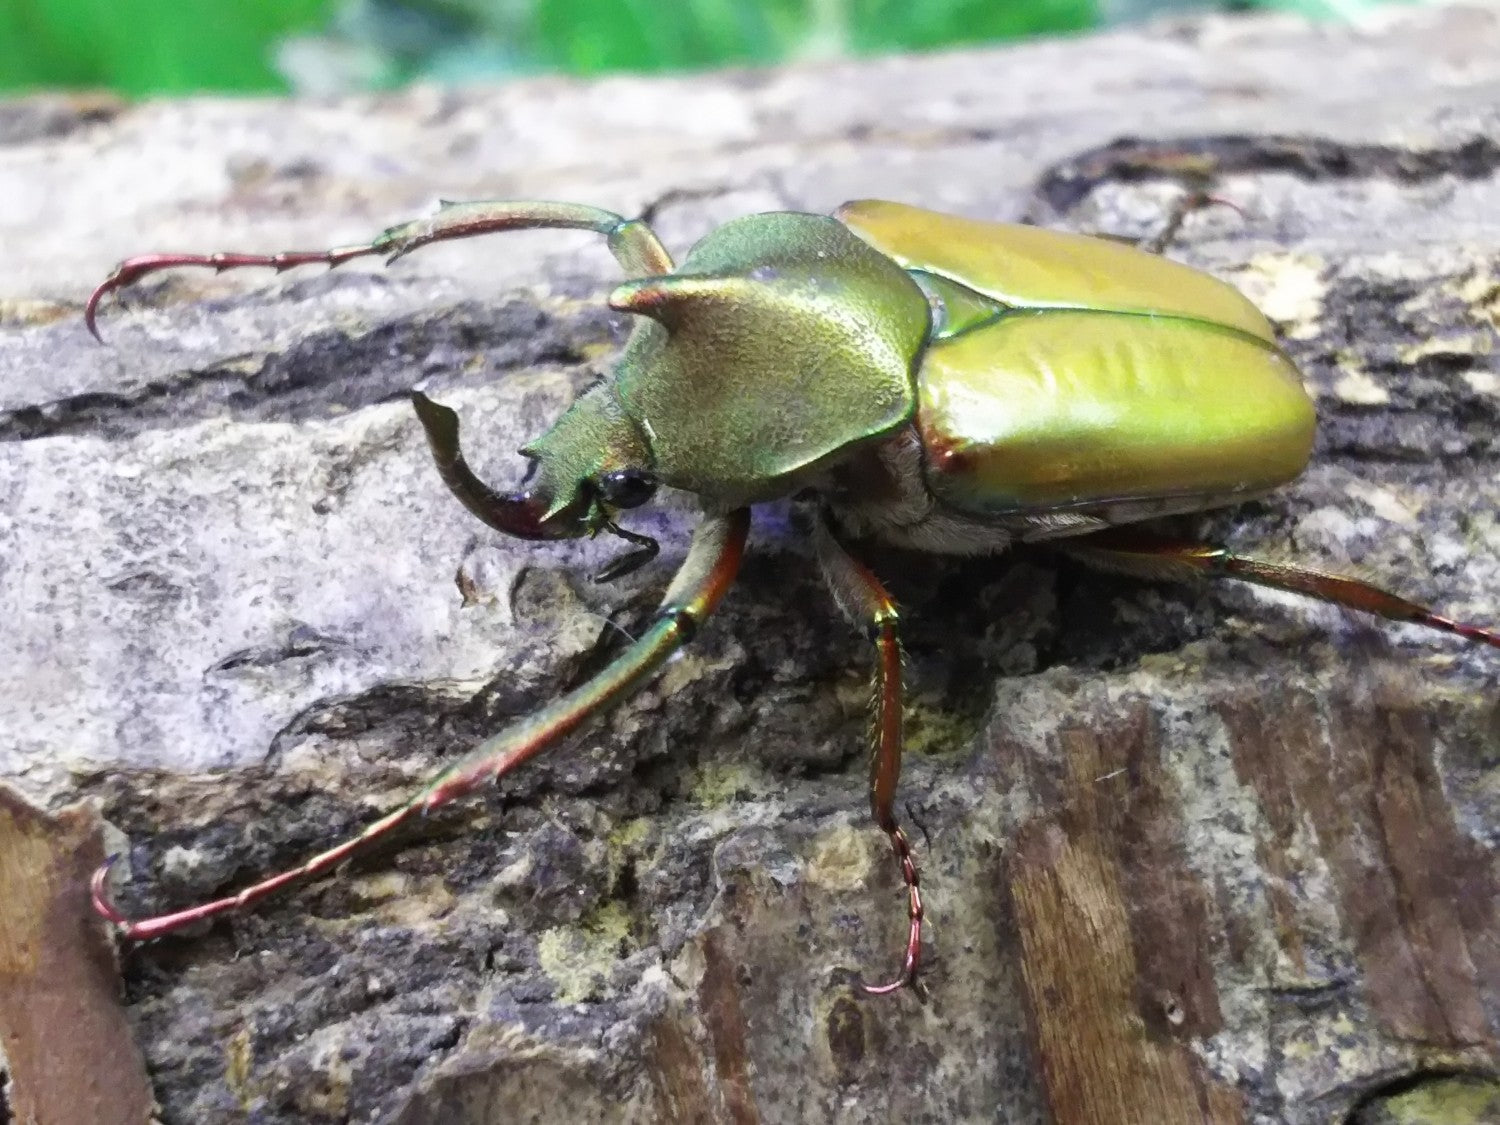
<point>1191,854</point>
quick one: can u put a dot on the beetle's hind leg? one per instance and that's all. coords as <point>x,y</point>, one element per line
<point>865,602</point>
<point>1191,201</point>
<point>633,243</point>
<point>1188,203</point>
<point>1140,552</point>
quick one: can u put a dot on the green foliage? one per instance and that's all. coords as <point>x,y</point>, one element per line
<point>140,47</point>
<point>149,46</point>
<point>894,25</point>
<point>597,36</point>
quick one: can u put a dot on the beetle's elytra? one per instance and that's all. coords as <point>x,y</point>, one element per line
<point>935,382</point>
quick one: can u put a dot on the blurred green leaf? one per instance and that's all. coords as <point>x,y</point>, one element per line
<point>889,25</point>
<point>149,46</point>
<point>598,36</point>
<point>173,46</point>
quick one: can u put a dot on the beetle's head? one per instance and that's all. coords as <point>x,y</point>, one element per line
<point>592,464</point>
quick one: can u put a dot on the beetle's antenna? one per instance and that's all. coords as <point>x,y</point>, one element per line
<point>705,576</point>
<point>633,243</point>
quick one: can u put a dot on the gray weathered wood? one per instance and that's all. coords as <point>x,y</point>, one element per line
<point>1190,854</point>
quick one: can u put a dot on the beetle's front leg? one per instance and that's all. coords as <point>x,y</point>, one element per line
<point>633,243</point>
<point>865,602</point>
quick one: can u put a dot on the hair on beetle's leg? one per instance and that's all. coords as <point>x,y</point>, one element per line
<point>863,600</point>
<point>700,584</point>
<point>633,243</point>
<point>1154,556</point>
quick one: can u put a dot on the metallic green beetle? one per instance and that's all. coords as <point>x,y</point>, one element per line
<point>936,382</point>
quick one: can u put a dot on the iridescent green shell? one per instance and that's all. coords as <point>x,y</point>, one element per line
<point>1072,371</point>
<point>781,341</point>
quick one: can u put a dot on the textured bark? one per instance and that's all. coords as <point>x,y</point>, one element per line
<point>67,1045</point>
<point>1190,853</point>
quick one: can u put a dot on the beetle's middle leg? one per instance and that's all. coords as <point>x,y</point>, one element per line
<point>865,602</point>
<point>633,243</point>
<point>1150,555</point>
<point>700,583</point>
<point>1194,199</point>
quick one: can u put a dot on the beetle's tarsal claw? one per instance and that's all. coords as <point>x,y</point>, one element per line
<point>911,963</point>
<point>104,905</point>
<point>89,314</point>
<point>908,980</point>
<point>91,309</point>
<point>1203,200</point>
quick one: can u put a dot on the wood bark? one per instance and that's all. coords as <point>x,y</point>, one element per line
<point>1191,854</point>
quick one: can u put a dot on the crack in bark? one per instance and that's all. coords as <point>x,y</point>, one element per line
<point>324,374</point>
<point>1313,159</point>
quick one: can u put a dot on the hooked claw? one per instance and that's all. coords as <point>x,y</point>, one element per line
<point>99,892</point>
<point>911,963</point>
<point>126,273</point>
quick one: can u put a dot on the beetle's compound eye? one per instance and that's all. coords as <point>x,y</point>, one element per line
<point>626,488</point>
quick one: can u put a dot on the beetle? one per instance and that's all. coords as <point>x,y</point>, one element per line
<point>931,381</point>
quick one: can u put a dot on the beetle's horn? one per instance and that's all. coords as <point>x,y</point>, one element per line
<point>667,299</point>
<point>515,513</point>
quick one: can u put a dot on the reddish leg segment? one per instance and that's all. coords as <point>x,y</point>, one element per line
<point>1139,552</point>
<point>632,242</point>
<point>705,576</point>
<point>865,602</point>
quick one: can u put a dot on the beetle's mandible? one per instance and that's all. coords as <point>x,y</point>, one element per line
<point>938,383</point>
